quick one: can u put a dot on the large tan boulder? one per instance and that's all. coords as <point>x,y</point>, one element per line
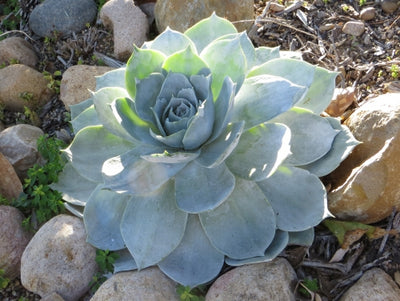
<point>366,187</point>
<point>10,184</point>
<point>22,86</point>
<point>19,50</point>
<point>77,82</point>
<point>180,15</point>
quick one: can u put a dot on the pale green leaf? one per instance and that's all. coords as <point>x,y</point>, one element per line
<point>302,238</point>
<point>114,78</point>
<point>208,30</point>
<point>124,261</point>
<point>184,61</point>
<point>86,118</point>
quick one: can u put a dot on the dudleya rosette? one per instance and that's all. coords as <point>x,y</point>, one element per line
<point>203,150</point>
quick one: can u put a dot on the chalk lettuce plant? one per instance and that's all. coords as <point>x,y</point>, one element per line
<point>203,150</point>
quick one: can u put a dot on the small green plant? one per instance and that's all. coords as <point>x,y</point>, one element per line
<point>362,2</point>
<point>100,3</point>
<point>307,286</point>
<point>54,80</point>
<point>394,71</point>
<point>380,73</point>
<point>105,260</point>
<point>26,96</point>
<point>38,201</point>
<point>3,280</point>
<point>187,294</point>
<point>10,11</point>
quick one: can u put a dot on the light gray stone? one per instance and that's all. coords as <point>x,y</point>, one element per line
<point>128,23</point>
<point>58,259</point>
<point>181,14</point>
<point>18,144</point>
<point>19,50</point>
<point>77,82</point>
<point>273,281</point>
<point>365,187</point>
<point>13,240</point>
<point>354,28</point>
<point>374,285</point>
<point>148,284</point>
<point>18,80</point>
<point>389,6</point>
<point>63,16</point>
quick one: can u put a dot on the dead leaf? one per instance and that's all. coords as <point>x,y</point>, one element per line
<point>342,99</point>
<point>349,232</point>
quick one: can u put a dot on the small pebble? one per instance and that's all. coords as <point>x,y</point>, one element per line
<point>327,27</point>
<point>367,14</point>
<point>354,28</point>
<point>389,6</point>
<point>276,7</point>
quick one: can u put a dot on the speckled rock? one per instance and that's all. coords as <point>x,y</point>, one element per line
<point>78,81</point>
<point>18,50</point>
<point>272,281</point>
<point>374,285</point>
<point>128,23</point>
<point>389,6</point>
<point>63,16</point>
<point>18,80</point>
<point>10,184</point>
<point>180,14</point>
<point>18,144</point>
<point>13,240</point>
<point>366,187</point>
<point>148,284</point>
<point>58,259</point>
<point>354,28</point>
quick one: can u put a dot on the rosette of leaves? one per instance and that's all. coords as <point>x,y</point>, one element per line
<point>203,150</point>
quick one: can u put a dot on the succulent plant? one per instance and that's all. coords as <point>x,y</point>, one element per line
<point>203,150</point>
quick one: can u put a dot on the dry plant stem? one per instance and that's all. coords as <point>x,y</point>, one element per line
<point>386,235</point>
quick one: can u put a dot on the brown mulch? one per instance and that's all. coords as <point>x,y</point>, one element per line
<point>367,63</point>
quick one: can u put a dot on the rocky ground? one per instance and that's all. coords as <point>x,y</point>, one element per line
<point>369,64</point>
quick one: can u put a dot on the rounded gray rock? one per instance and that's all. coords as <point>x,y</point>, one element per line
<point>58,259</point>
<point>63,16</point>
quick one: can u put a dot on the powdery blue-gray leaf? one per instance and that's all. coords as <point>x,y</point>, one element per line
<point>247,219</point>
<point>102,218</point>
<point>147,91</point>
<point>320,93</point>
<point>201,189</point>
<point>223,108</point>
<point>200,126</point>
<point>264,54</point>
<point>152,226</point>
<point>264,97</point>
<point>277,245</point>
<point>302,238</point>
<point>312,135</point>
<point>207,30</point>
<point>298,198</point>
<point>102,100</point>
<point>75,188</point>
<point>86,118</point>
<point>170,41</point>
<point>342,146</point>
<point>124,110</point>
<point>124,261</point>
<point>172,157</point>
<point>217,151</point>
<point>132,174</point>
<point>91,147</point>
<point>78,108</point>
<point>260,151</point>
<point>113,78</point>
<point>195,261</point>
